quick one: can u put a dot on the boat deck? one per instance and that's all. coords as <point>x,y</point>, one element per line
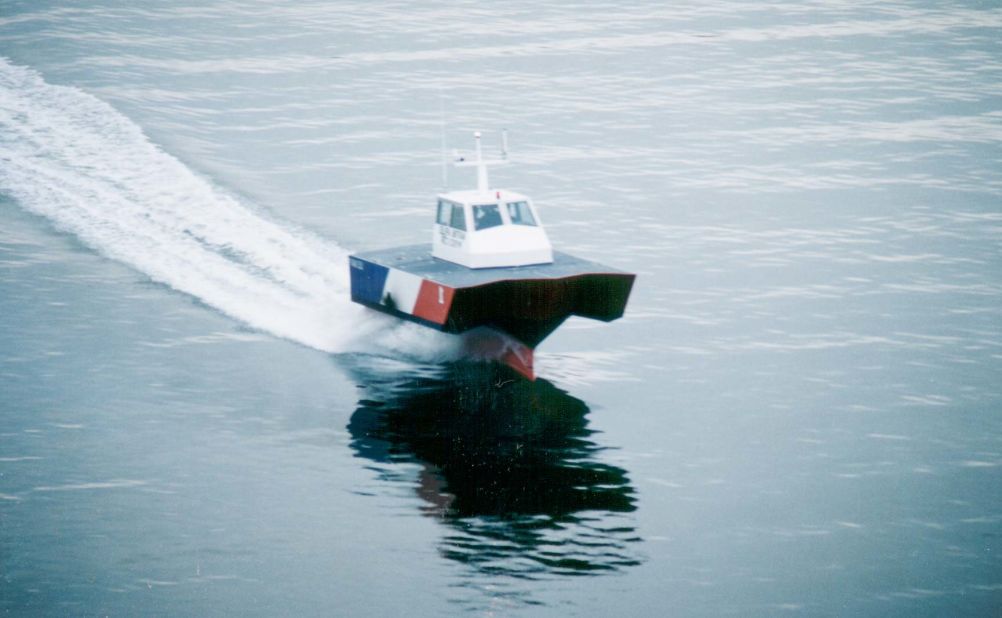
<point>417,260</point>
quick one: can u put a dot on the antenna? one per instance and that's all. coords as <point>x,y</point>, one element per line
<point>482,184</point>
<point>481,167</point>
<point>445,161</point>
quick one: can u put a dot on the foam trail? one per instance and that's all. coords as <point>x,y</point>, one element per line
<point>72,158</point>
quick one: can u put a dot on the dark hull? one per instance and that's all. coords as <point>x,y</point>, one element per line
<point>526,302</point>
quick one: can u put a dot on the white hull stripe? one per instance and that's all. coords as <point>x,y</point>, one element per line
<point>403,288</point>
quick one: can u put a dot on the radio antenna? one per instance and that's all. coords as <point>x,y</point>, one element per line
<point>481,164</point>
<point>445,159</point>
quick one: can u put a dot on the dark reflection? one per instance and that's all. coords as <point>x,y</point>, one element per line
<point>509,466</point>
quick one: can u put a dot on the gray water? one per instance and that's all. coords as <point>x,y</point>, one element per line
<point>799,413</point>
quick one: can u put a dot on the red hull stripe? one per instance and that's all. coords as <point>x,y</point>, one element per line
<point>433,302</point>
<point>520,359</point>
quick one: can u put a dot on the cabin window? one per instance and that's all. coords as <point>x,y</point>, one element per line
<point>486,215</point>
<point>444,212</point>
<point>458,219</point>
<point>520,213</point>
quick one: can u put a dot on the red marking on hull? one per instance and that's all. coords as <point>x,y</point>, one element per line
<point>520,360</point>
<point>489,344</point>
<point>433,302</point>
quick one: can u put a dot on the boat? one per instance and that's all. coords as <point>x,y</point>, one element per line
<point>489,274</point>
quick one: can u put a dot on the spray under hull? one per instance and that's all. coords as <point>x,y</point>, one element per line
<point>525,302</point>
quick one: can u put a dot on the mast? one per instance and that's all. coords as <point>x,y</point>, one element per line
<point>481,167</point>
<point>483,183</point>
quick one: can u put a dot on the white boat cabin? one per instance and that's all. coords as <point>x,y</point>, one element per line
<point>488,228</point>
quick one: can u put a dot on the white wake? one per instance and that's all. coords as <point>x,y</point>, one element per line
<point>72,158</point>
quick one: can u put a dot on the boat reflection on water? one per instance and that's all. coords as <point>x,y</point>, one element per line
<point>507,464</point>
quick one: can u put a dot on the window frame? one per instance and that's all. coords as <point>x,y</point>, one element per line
<point>528,209</point>
<point>442,206</point>
<point>462,219</point>
<point>497,211</point>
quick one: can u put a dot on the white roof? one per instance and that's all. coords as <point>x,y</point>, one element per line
<point>472,196</point>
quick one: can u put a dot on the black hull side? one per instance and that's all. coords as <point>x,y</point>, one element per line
<point>527,310</point>
<point>526,303</point>
<point>530,310</point>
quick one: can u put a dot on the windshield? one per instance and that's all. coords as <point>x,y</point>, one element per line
<point>520,213</point>
<point>458,220</point>
<point>486,215</point>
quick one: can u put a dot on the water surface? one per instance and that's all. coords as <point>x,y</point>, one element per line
<point>799,412</point>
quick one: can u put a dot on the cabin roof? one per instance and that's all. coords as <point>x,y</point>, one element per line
<point>472,196</point>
